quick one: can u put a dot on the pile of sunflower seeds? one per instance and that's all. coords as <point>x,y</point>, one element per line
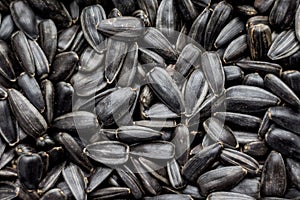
<point>149,99</point>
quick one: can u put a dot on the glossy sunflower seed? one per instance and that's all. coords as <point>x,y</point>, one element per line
<point>220,179</point>
<point>129,68</point>
<point>285,117</point>
<point>29,118</point>
<point>23,52</point>
<point>278,87</point>
<point>89,83</point>
<point>111,192</point>
<point>50,178</point>
<point>73,150</point>
<point>259,41</point>
<point>29,176</point>
<point>159,111</point>
<point>32,91</point>
<point>164,87</point>
<point>233,29</point>
<point>293,171</point>
<point>7,27</point>
<point>54,10</point>
<point>74,11</point>
<point>6,68</point>
<point>63,66</point>
<point>292,78</point>
<point>134,134</point>
<point>201,161</point>
<point>213,72</point>
<point>264,126</point>
<point>182,141</point>
<point>8,190</point>
<point>220,133</point>
<point>7,125</point>
<point>249,99</point>
<point>194,98</point>
<point>130,179</point>
<point>156,41</point>
<point>174,173</point>
<point>167,18</point>
<point>90,18</point>
<point>115,105</point>
<point>233,74</point>
<point>278,138</point>
<point>48,38</point>
<point>256,148</point>
<point>244,137</point>
<point>40,60</point>
<point>156,169</point>
<point>284,45</point>
<point>150,183</point>
<point>154,150</point>
<point>79,43</point>
<point>170,197</point>
<point>238,158</point>
<point>97,178</point>
<point>259,66</point>
<point>228,195</point>
<point>90,60</point>
<point>76,121</point>
<point>108,152</point>
<point>64,93</point>
<point>197,30</point>
<point>147,56</point>
<point>238,120</point>
<point>273,178</point>
<point>188,60</point>
<point>66,37</point>
<point>114,27</point>
<point>75,180</point>
<point>287,10</point>
<point>236,49</point>
<point>24,18</point>
<point>115,55</point>
<point>216,23</point>
<point>253,79</point>
<point>248,186</point>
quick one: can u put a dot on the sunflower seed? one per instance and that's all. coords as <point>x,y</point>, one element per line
<point>75,179</point>
<point>238,158</point>
<point>108,152</point>
<point>114,27</point>
<point>284,45</point>
<point>220,179</point>
<point>29,118</point>
<point>29,176</point>
<point>201,161</point>
<point>90,18</point>
<point>216,23</point>
<point>273,178</point>
<point>278,138</point>
<point>48,38</point>
<point>160,81</point>
<point>233,29</point>
<point>24,18</point>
